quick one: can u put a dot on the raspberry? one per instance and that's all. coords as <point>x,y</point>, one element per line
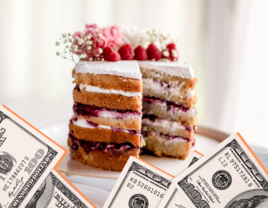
<point>171,46</point>
<point>126,52</point>
<point>153,52</point>
<point>110,55</point>
<point>171,52</point>
<point>140,53</point>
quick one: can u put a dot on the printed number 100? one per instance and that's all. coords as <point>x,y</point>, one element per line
<point>33,162</point>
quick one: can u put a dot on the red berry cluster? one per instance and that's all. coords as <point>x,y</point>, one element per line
<point>109,54</point>
<point>126,52</point>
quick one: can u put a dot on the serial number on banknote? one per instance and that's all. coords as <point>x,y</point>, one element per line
<point>228,160</point>
<point>144,186</point>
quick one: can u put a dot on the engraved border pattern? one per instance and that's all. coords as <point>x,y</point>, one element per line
<point>22,194</point>
<point>66,192</point>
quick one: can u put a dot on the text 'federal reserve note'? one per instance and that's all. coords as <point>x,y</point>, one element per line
<point>230,176</point>
<point>139,185</point>
<point>26,159</point>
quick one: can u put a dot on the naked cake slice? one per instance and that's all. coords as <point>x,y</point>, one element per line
<point>169,115</point>
<point>105,128</point>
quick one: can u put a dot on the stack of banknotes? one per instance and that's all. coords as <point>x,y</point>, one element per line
<point>28,174</point>
<point>230,176</point>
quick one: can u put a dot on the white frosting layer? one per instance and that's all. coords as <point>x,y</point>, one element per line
<point>163,89</point>
<point>171,68</point>
<point>173,111</point>
<point>90,88</point>
<point>83,123</point>
<point>116,115</point>
<point>166,142</point>
<point>163,123</point>
<point>189,113</point>
<point>129,69</point>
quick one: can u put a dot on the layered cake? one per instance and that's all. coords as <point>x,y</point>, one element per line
<point>131,92</point>
<point>169,115</point>
<point>105,128</point>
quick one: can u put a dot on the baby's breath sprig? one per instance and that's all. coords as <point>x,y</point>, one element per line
<point>85,46</point>
<point>66,41</point>
<point>160,38</point>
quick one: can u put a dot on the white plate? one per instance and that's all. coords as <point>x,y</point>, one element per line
<point>59,133</point>
<point>95,195</point>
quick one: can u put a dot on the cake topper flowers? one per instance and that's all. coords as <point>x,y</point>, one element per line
<point>89,44</point>
<point>107,44</point>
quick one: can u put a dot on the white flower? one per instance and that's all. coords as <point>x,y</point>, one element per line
<point>70,40</point>
<point>83,55</point>
<point>90,59</point>
<point>99,35</point>
<point>57,43</point>
<point>65,41</point>
<point>80,41</point>
<point>71,50</point>
<point>64,35</point>
<point>100,50</point>
<point>57,53</point>
<point>89,42</point>
<point>88,37</point>
<point>75,46</point>
<point>69,34</point>
<point>75,49</point>
<point>96,30</point>
<point>89,48</point>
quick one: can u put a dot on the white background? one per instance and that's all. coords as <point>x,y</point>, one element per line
<point>226,42</point>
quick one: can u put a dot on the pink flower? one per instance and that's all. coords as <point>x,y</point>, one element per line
<point>116,34</point>
<point>112,35</point>
<point>92,26</point>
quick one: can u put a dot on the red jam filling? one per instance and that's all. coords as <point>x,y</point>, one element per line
<point>101,146</point>
<point>94,111</point>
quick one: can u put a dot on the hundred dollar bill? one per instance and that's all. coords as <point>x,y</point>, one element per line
<point>57,192</point>
<point>173,198</point>
<point>230,176</point>
<point>140,185</point>
<point>26,158</point>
